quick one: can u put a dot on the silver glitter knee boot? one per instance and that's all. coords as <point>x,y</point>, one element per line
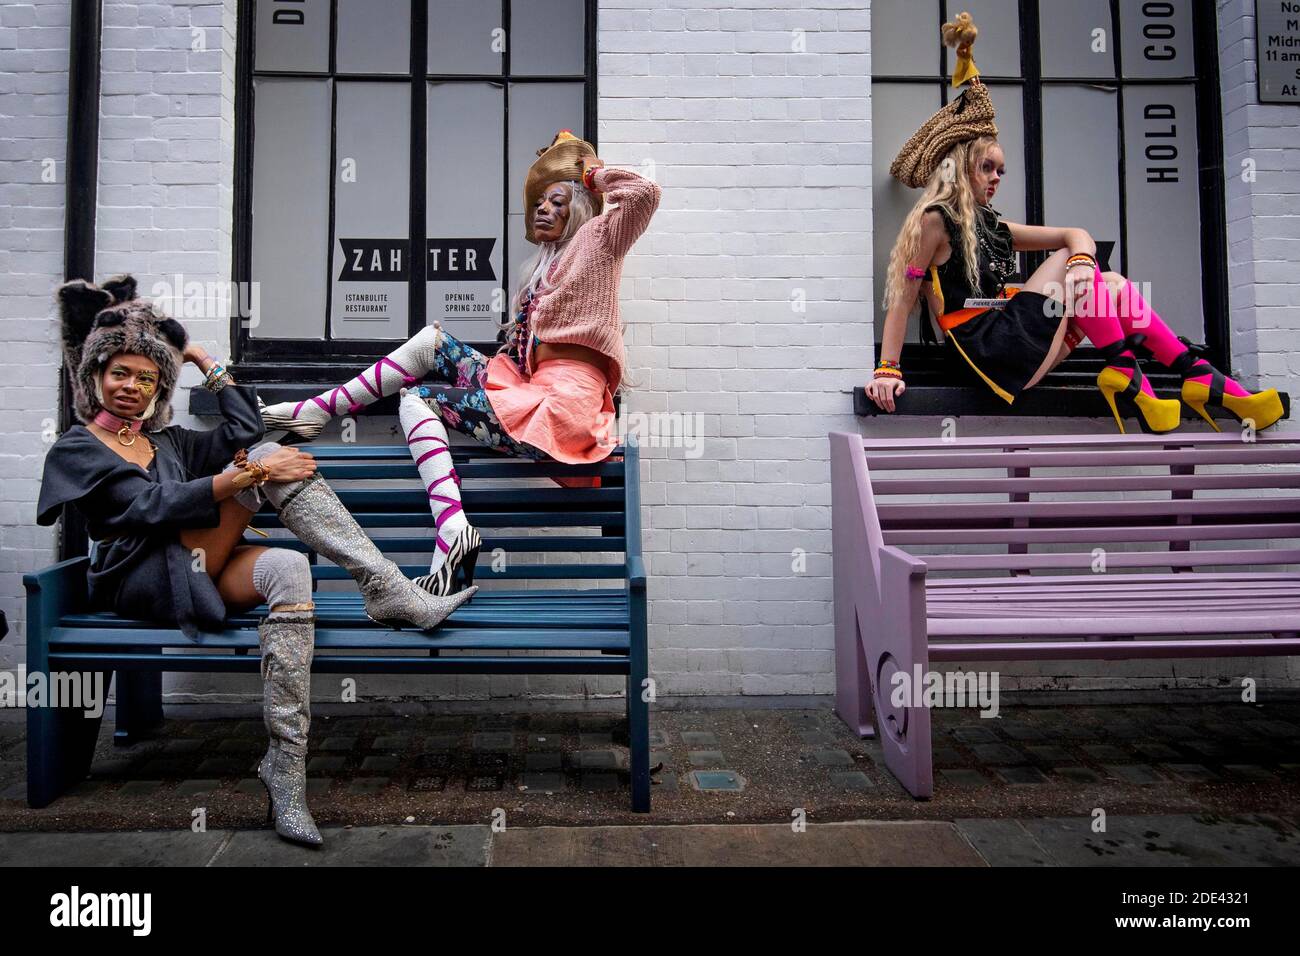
<point>288,642</point>
<point>312,511</point>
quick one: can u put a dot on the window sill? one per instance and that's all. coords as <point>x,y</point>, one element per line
<point>939,384</point>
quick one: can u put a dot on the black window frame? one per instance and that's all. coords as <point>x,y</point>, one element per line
<point>1209,145</point>
<point>296,360</point>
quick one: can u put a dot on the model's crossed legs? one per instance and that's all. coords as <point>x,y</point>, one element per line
<point>246,575</point>
<point>458,400</point>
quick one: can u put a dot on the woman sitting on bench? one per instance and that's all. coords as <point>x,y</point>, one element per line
<point>955,248</point>
<point>167,508</point>
<point>548,392</point>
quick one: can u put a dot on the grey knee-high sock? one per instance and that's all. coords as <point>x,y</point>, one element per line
<point>283,578</point>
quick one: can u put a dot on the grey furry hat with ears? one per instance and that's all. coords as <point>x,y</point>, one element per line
<point>102,321</point>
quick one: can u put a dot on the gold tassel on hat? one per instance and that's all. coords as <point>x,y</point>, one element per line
<point>968,117</point>
<point>960,34</point>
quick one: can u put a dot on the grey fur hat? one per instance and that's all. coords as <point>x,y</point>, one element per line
<point>102,321</point>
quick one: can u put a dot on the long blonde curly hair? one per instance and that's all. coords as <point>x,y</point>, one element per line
<point>950,189</point>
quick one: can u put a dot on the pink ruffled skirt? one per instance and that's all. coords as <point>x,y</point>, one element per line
<point>565,408</point>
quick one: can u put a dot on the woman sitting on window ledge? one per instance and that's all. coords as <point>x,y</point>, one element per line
<point>548,392</point>
<point>956,249</point>
<point>155,497</point>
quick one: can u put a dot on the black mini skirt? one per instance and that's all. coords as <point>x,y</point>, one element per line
<point>1005,347</point>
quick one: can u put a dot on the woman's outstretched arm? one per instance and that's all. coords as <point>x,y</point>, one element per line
<point>1050,238</point>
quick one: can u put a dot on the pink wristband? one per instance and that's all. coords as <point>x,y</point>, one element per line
<point>914,273</point>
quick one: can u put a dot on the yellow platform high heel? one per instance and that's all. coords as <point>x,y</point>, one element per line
<point>1154,415</point>
<point>1260,409</point>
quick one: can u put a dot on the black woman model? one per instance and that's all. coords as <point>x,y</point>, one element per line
<point>157,496</point>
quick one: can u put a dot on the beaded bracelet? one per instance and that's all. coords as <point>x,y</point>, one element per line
<point>217,378</point>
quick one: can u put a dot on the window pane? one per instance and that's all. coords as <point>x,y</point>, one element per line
<point>997,51</point>
<point>371,211</point>
<point>464,36</point>
<point>464,206</point>
<point>1164,210</point>
<point>290,228</point>
<point>907,38</point>
<point>293,36</point>
<point>374,36</point>
<point>898,109</point>
<point>1081,172</point>
<point>1157,38</point>
<point>537,112</point>
<point>547,37</point>
<point>1070,44</point>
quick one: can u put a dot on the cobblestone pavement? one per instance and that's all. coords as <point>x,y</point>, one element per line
<point>1039,762</point>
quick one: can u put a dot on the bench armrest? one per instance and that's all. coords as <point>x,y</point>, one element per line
<point>53,592</point>
<point>901,562</point>
<point>635,572</point>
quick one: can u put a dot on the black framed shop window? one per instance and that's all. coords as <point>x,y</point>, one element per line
<point>381,148</point>
<point>1110,119</point>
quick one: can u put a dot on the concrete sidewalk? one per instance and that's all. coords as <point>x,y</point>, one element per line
<point>1168,840</point>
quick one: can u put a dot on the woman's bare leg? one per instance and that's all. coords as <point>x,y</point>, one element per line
<point>235,584</point>
<point>217,544</point>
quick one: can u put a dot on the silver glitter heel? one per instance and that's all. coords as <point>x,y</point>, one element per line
<point>314,513</point>
<point>287,646</point>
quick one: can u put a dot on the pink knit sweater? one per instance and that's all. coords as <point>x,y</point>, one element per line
<point>580,301</point>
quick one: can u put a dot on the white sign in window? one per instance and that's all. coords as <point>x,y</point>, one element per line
<point>466,160</point>
<point>291,189</point>
<point>372,211</point>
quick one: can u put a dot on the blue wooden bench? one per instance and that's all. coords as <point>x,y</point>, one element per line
<point>1052,548</point>
<point>548,627</point>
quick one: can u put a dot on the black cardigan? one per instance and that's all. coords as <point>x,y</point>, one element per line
<point>137,516</point>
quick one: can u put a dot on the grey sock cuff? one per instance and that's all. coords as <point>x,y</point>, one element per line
<point>283,577</point>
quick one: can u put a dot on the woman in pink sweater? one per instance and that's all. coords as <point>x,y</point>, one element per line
<point>548,392</point>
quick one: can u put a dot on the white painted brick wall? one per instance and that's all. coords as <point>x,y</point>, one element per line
<point>33,145</point>
<point>745,303</point>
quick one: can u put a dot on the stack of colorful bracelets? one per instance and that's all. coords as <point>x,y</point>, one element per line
<point>1080,259</point>
<point>218,377</point>
<point>887,369</point>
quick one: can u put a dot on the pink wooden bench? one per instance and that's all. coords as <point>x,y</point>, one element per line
<point>1193,531</point>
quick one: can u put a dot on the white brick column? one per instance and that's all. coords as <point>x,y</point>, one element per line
<point>167,154</point>
<point>747,302</point>
<point>1261,161</point>
<point>34,119</point>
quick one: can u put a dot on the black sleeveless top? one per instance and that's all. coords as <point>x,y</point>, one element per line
<point>996,259</point>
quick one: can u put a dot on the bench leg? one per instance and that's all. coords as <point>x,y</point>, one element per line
<point>60,747</point>
<point>139,705</point>
<point>638,731</point>
<point>896,642</point>
<point>852,677</point>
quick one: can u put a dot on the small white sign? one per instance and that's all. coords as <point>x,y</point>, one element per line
<point>1277,49</point>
